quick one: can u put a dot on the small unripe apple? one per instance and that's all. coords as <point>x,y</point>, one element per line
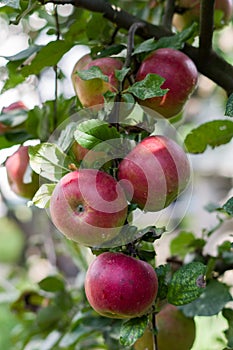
<point>180,74</point>
<point>192,13</point>
<point>90,92</point>
<point>146,342</point>
<point>88,206</point>
<point>154,173</point>
<point>175,330</point>
<point>120,286</point>
<point>12,108</point>
<point>22,180</point>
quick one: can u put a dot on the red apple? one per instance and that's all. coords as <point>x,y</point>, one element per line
<point>192,13</point>
<point>180,76</point>
<point>175,330</point>
<point>88,206</point>
<point>120,286</point>
<point>23,181</point>
<point>90,92</point>
<point>11,109</point>
<point>154,173</point>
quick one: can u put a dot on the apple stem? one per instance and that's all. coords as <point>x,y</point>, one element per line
<point>130,43</point>
<point>156,347</point>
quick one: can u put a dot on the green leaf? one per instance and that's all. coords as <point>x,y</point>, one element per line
<point>93,132</point>
<point>213,299</point>
<point>49,161</point>
<point>48,317</point>
<point>111,50</point>
<point>14,118</point>
<point>13,78</point>
<point>228,206</point>
<point>121,74</point>
<point>11,3</point>
<point>52,284</point>
<point>229,106</point>
<point>213,133</point>
<point>175,41</point>
<point>132,330</point>
<point>228,314</point>
<point>48,56</point>
<point>22,55</point>
<point>181,244</point>
<point>42,196</point>
<point>148,87</point>
<point>187,284</point>
<point>93,72</point>
<point>164,275</point>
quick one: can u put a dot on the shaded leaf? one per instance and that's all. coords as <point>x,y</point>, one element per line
<point>48,56</point>
<point>148,87</point>
<point>42,196</point>
<point>228,314</point>
<point>181,245</point>
<point>164,275</point>
<point>187,284</point>
<point>228,206</point>
<point>213,133</point>
<point>121,74</point>
<point>49,316</point>
<point>211,302</point>
<point>49,161</point>
<point>132,330</point>
<point>52,284</point>
<point>93,132</point>
<point>25,53</point>
<point>175,41</point>
<point>11,3</point>
<point>229,106</point>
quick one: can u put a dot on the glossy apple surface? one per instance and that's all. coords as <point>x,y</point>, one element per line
<point>22,180</point>
<point>154,173</point>
<point>180,76</point>
<point>90,92</point>
<point>88,206</point>
<point>120,286</point>
<point>175,330</point>
<point>223,12</point>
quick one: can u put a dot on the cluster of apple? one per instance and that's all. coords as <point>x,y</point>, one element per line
<point>175,67</point>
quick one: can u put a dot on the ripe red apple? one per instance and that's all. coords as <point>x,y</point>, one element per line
<point>90,92</point>
<point>192,13</point>
<point>175,330</point>
<point>23,181</point>
<point>154,173</point>
<point>180,76</point>
<point>12,108</point>
<point>120,286</point>
<point>88,206</point>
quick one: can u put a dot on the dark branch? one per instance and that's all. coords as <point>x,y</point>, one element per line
<point>215,68</point>
<point>168,13</point>
<point>206,28</point>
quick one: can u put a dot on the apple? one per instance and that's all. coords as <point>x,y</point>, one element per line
<point>88,206</point>
<point>120,286</point>
<point>192,13</point>
<point>175,330</point>
<point>154,173</point>
<point>11,109</point>
<point>90,92</point>
<point>180,74</point>
<point>22,180</point>
<point>146,342</point>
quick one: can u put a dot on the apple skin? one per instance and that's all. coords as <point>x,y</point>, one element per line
<point>19,105</point>
<point>154,173</point>
<point>181,77</point>
<point>17,166</point>
<point>175,330</point>
<point>146,342</point>
<point>192,14</point>
<point>89,158</point>
<point>88,206</point>
<point>90,92</point>
<point>120,286</point>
